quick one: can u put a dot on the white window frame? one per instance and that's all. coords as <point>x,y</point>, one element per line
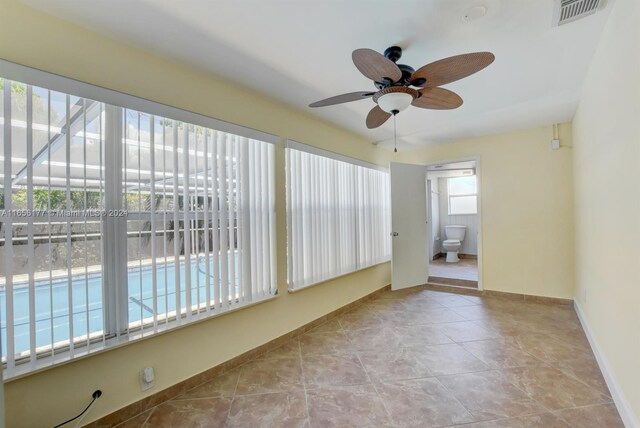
<point>115,297</point>
<point>461,195</point>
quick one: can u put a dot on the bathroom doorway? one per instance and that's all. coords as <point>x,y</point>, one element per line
<point>454,219</point>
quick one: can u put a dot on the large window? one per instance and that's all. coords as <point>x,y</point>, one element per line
<point>338,216</point>
<point>115,223</point>
<point>463,195</point>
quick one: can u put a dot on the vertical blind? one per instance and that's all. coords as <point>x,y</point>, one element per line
<point>338,217</point>
<point>115,223</point>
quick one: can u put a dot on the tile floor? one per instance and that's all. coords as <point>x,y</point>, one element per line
<point>466,269</point>
<point>413,358</point>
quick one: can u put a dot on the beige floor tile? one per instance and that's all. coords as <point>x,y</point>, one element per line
<point>223,386</point>
<point>545,347</point>
<point>487,395</point>
<point>599,416</point>
<point>421,303</point>
<point>271,375</point>
<point>280,409</point>
<point>499,353</point>
<point>291,349</point>
<point>478,300</point>
<point>584,367</point>
<point>137,421</point>
<point>575,338</point>
<point>331,325</point>
<point>466,331</point>
<point>374,338</point>
<point>475,312</point>
<point>414,317</point>
<point>421,335</point>
<point>197,413</point>
<point>455,301</point>
<point>347,406</point>
<point>380,305</point>
<point>401,363</point>
<point>552,388</point>
<point>322,370</point>
<point>543,420</point>
<point>365,318</point>
<point>448,359</point>
<point>422,403</point>
<point>401,294</point>
<point>335,342</point>
<point>503,325</point>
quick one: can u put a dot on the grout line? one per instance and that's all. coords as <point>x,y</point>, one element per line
<point>151,410</point>
<point>508,418</point>
<point>366,372</point>
<point>304,383</point>
<point>233,396</point>
<point>149,416</point>
<point>457,401</point>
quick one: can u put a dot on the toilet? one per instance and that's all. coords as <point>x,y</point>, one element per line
<point>455,236</point>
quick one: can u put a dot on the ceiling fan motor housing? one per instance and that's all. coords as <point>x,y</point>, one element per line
<point>394,53</point>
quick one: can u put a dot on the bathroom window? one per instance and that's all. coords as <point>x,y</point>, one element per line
<point>463,195</point>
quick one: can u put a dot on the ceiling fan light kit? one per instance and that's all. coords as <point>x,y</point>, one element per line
<point>400,85</point>
<point>394,99</point>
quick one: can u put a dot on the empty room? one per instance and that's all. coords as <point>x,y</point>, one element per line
<point>320,213</point>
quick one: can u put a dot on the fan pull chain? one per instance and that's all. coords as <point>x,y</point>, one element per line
<point>395,137</point>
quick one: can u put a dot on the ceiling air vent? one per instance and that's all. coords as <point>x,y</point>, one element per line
<point>571,10</point>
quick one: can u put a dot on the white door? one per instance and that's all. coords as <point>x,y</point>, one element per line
<point>409,254</point>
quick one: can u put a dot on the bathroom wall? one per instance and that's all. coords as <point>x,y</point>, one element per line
<point>470,243</point>
<point>434,217</point>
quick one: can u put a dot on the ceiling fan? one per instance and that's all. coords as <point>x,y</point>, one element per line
<point>400,86</point>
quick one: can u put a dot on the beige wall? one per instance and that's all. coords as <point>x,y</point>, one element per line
<point>44,399</point>
<point>606,131</point>
<point>527,208</point>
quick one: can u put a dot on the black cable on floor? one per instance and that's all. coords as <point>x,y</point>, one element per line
<point>96,394</point>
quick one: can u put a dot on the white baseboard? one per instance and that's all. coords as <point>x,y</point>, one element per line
<point>624,409</point>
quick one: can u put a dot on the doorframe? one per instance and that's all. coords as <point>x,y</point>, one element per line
<point>480,225</point>
<point>429,222</point>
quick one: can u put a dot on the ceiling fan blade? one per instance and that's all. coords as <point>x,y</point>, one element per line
<point>344,98</point>
<point>375,66</point>
<point>377,117</point>
<point>451,69</point>
<point>437,99</point>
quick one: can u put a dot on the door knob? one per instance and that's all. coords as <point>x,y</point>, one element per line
<point>394,233</point>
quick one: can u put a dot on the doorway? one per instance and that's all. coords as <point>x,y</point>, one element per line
<point>454,220</point>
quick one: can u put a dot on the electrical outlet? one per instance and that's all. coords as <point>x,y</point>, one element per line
<point>147,378</point>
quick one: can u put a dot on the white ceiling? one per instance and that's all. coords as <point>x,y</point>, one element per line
<point>299,51</point>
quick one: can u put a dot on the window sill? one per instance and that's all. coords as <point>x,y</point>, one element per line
<point>295,290</point>
<point>27,369</point>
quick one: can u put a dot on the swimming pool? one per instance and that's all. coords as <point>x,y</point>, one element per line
<point>88,288</point>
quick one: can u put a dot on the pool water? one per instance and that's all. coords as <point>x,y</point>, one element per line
<point>87,300</point>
